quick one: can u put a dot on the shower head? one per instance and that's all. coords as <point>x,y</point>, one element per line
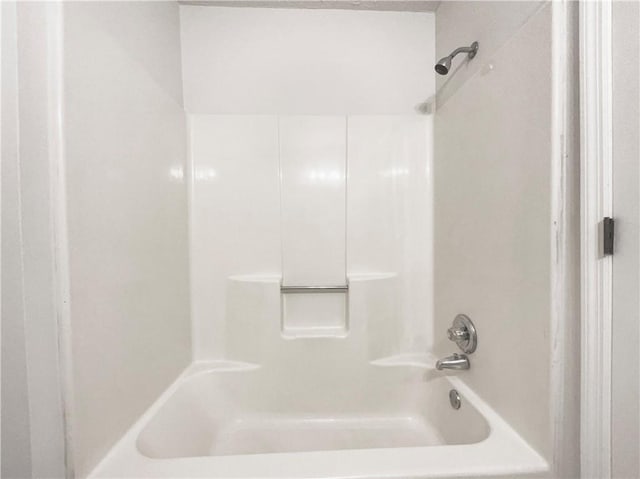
<point>444,64</point>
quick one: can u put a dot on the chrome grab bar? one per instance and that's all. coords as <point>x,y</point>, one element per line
<point>314,289</point>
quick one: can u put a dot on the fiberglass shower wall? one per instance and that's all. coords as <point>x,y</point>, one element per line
<point>496,233</point>
<point>310,165</point>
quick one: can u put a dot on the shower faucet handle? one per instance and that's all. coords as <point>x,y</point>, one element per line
<point>463,333</point>
<point>457,334</point>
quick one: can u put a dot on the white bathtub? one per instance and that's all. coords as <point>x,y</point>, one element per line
<point>235,420</point>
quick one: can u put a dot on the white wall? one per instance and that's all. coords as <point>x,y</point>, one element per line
<point>390,217</point>
<point>16,447</point>
<point>626,260</point>
<point>29,285</point>
<point>125,141</point>
<point>493,206</point>
<point>257,60</point>
<point>313,176</point>
<point>235,215</point>
<point>336,68</point>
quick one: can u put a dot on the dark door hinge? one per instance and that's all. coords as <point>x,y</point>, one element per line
<point>607,236</point>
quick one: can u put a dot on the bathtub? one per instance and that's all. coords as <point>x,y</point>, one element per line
<point>387,420</point>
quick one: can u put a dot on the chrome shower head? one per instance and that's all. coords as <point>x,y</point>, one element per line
<point>444,64</point>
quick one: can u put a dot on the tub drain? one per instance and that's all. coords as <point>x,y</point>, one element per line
<point>454,399</point>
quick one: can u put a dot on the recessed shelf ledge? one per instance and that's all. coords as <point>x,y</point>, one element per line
<point>269,278</point>
<point>219,365</point>
<point>416,360</point>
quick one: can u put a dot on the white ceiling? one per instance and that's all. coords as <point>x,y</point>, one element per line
<point>388,5</point>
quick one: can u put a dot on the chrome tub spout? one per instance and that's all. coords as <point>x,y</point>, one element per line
<point>455,361</point>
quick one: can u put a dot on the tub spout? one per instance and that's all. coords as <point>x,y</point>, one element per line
<point>455,361</point>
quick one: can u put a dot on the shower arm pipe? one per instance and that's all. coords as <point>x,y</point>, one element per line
<point>472,49</point>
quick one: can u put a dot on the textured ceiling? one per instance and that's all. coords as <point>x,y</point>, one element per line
<point>388,5</point>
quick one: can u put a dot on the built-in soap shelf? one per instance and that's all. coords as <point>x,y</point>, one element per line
<point>362,312</point>
<point>321,311</point>
<point>314,311</point>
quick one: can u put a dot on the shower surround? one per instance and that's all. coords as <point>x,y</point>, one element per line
<point>310,201</point>
<point>314,383</point>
